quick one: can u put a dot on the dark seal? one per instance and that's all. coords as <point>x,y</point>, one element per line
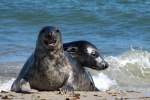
<point>86,54</point>
<point>49,68</point>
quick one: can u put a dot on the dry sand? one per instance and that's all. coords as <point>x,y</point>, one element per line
<point>107,95</point>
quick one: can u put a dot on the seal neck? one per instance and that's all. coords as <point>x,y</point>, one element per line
<point>41,53</point>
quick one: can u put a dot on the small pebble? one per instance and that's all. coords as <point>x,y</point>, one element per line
<point>95,95</point>
<point>67,99</point>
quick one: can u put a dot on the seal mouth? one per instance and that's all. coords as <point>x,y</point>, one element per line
<point>50,42</point>
<point>50,39</point>
<point>99,68</point>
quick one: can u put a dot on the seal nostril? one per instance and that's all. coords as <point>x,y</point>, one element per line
<point>50,34</point>
<point>54,40</point>
<point>103,64</point>
<point>106,65</point>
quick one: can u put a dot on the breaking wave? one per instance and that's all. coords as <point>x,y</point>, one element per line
<point>129,71</point>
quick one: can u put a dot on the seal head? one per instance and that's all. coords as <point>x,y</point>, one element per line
<point>86,54</point>
<point>50,38</point>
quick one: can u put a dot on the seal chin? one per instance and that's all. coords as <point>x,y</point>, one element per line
<point>51,45</point>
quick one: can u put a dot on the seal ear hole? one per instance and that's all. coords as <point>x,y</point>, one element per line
<point>57,31</point>
<point>72,49</point>
<point>49,35</point>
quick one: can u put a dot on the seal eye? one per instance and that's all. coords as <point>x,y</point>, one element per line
<point>94,54</point>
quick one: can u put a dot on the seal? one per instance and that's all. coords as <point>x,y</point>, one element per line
<point>86,54</point>
<point>50,68</point>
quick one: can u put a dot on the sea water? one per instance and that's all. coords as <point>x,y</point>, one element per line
<point>119,28</point>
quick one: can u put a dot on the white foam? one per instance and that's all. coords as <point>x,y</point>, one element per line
<point>135,57</point>
<point>130,69</point>
<point>102,82</point>
<point>6,85</point>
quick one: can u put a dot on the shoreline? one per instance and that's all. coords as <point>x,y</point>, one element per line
<point>83,95</point>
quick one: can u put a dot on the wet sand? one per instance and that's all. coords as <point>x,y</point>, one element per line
<point>107,95</point>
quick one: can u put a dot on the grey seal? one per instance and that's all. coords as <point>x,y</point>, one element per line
<point>49,68</point>
<point>86,54</point>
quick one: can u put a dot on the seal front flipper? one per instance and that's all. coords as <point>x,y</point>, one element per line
<point>68,85</point>
<point>67,89</point>
<point>23,86</point>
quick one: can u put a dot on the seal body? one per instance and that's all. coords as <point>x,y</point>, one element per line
<point>49,68</point>
<point>86,54</point>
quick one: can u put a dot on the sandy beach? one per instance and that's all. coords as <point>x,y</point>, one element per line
<point>107,95</point>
